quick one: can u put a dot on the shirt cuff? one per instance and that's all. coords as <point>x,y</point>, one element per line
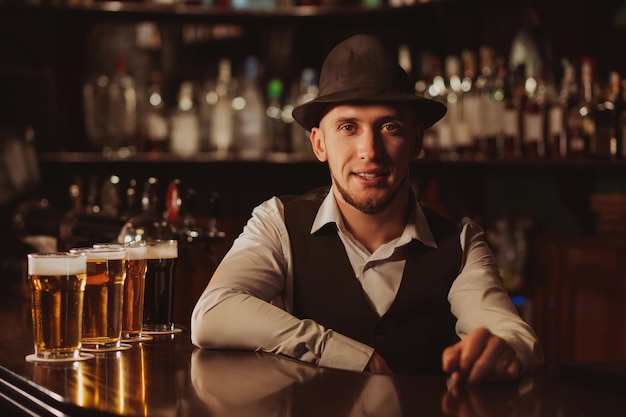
<point>341,352</point>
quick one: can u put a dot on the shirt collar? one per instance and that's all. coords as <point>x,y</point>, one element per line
<point>417,227</point>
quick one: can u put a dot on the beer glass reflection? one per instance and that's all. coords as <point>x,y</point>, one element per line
<point>104,292</point>
<point>57,282</point>
<point>162,258</point>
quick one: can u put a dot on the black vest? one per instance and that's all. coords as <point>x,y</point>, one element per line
<point>412,334</point>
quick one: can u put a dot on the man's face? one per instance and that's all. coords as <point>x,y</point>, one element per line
<point>369,148</point>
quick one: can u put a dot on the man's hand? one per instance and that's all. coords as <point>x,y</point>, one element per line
<point>479,357</point>
<point>377,365</point>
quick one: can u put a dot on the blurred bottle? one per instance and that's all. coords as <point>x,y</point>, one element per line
<point>222,129</point>
<point>305,90</point>
<point>580,118</point>
<point>437,90</point>
<point>249,108</point>
<point>276,128</point>
<point>95,108</point>
<point>110,198</point>
<point>606,145</point>
<point>122,123</point>
<point>620,128</point>
<point>533,117</point>
<point>184,125</point>
<point>155,126</point>
<point>557,105</point>
<point>151,222</point>
<point>470,108</point>
<point>132,201</point>
<point>491,108</point>
<point>508,135</point>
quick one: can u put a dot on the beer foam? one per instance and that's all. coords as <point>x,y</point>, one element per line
<point>106,253</point>
<point>162,251</point>
<point>136,252</point>
<point>57,265</point>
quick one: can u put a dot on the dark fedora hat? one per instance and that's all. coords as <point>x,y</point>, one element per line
<point>360,69</point>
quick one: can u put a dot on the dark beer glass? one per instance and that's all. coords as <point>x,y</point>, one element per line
<point>158,308</point>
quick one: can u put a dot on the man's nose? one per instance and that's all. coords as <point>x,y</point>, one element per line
<point>368,144</point>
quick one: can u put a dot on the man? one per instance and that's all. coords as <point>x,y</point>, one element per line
<point>361,276</point>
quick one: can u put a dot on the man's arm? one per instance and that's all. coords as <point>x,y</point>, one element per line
<point>235,310</point>
<point>484,311</point>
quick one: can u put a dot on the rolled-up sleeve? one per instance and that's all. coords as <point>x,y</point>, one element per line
<point>236,310</point>
<point>478,299</point>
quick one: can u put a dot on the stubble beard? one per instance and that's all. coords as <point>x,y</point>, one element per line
<point>369,205</point>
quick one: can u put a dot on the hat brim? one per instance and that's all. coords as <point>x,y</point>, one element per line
<point>309,114</point>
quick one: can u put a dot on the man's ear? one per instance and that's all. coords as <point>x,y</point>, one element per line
<point>317,142</point>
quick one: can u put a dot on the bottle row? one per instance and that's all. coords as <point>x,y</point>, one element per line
<point>499,110</point>
<point>228,115</point>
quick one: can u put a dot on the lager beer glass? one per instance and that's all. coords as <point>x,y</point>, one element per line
<point>134,284</point>
<point>104,295</point>
<point>158,308</point>
<point>57,282</point>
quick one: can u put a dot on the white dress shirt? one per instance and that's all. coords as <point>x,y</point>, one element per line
<point>247,302</point>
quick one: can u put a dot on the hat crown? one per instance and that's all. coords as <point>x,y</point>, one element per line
<point>360,69</point>
<point>361,62</point>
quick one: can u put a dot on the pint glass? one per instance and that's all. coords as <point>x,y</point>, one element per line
<point>134,284</point>
<point>158,306</point>
<point>57,282</point>
<point>104,295</point>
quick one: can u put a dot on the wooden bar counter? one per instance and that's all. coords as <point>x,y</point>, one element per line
<point>169,377</point>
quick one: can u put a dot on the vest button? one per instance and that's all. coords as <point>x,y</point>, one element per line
<point>380,329</point>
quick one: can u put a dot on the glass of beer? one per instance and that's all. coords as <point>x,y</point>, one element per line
<point>57,282</point>
<point>104,296</point>
<point>158,306</point>
<point>134,285</point>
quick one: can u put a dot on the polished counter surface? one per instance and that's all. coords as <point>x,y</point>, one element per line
<point>169,377</point>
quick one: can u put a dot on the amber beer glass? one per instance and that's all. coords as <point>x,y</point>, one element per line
<point>134,285</point>
<point>104,295</point>
<point>57,282</point>
<point>158,308</point>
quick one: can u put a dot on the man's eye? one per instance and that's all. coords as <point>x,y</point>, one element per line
<point>347,128</point>
<point>391,127</point>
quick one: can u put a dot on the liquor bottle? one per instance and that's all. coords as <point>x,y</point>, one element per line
<point>620,120</point>
<point>184,124</point>
<point>276,128</point>
<point>436,89</point>
<point>508,137</point>
<point>155,126</point>
<point>122,105</point>
<point>95,109</point>
<point>423,78</point>
<point>557,104</point>
<point>490,108</point>
<point>249,108</point>
<point>470,107</point>
<point>222,116</point>
<point>305,89</point>
<point>533,116</point>
<point>580,125</point>
<point>449,144</point>
<point>110,201</point>
<point>605,145</point>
